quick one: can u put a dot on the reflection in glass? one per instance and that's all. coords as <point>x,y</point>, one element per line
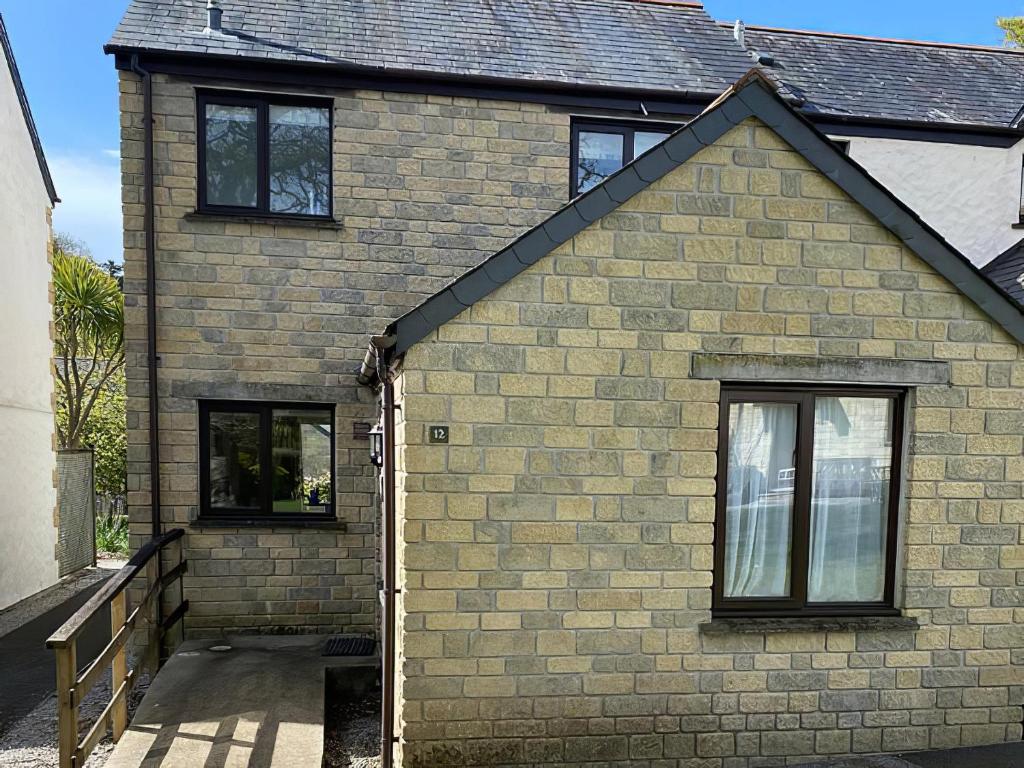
<point>300,160</point>
<point>600,155</point>
<point>759,499</point>
<point>849,499</point>
<point>645,140</point>
<point>301,460</point>
<point>234,460</point>
<point>231,149</point>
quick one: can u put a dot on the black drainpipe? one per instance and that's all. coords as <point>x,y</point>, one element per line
<point>376,369</point>
<point>388,534</point>
<point>153,359</point>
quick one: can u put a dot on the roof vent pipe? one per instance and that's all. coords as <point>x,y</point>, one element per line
<point>739,31</point>
<point>213,15</point>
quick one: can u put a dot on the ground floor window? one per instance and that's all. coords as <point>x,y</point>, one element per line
<point>266,460</point>
<point>807,501</point>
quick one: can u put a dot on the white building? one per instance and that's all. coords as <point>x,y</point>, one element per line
<point>938,124</point>
<point>28,531</point>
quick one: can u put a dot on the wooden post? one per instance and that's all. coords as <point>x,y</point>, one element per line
<point>119,665</point>
<point>67,708</point>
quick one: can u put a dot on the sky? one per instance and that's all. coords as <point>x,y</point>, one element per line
<point>72,86</point>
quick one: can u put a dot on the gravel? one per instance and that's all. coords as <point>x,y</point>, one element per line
<point>32,741</point>
<point>351,733</point>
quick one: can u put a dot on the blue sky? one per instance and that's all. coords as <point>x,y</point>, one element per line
<point>73,88</point>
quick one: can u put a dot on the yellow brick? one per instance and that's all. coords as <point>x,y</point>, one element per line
<point>522,600</point>
<point>546,533</point>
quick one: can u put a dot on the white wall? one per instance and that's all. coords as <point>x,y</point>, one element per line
<point>27,461</point>
<point>971,195</point>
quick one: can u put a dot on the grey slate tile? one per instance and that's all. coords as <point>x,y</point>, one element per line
<point>846,76</point>
<point>1007,271</point>
<point>591,42</point>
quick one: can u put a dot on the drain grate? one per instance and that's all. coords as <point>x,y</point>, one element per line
<point>350,645</point>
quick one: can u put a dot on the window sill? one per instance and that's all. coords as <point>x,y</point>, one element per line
<point>320,523</point>
<point>316,222</point>
<point>722,625</point>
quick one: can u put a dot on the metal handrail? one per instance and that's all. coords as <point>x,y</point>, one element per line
<point>73,687</point>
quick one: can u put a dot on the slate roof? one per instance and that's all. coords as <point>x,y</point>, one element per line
<point>844,75</point>
<point>19,88</point>
<point>754,96</point>
<point>1007,271</point>
<point>651,45</point>
<point>620,43</point>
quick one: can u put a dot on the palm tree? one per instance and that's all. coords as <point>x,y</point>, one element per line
<point>89,329</point>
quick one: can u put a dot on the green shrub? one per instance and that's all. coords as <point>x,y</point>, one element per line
<point>112,534</point>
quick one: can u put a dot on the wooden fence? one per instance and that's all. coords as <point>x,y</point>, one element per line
<point>73,685</point>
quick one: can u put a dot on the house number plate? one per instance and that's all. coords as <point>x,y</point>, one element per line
<point>439,434</point>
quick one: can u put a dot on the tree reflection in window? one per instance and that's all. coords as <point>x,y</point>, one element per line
<point>231,155</point>
<point>300,160</point>
<point>600,155</point>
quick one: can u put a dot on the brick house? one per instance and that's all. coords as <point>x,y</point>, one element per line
<point>296,181</point>
<point>606,551</point>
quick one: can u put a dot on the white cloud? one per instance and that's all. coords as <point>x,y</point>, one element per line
<point>89,187</point>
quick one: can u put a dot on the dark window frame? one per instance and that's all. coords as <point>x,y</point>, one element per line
<point>796,604</point>
<point>625,128</point>
<point>264,514</point>
<point>261,102</point>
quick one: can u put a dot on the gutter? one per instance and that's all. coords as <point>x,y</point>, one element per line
<point>220,64</point>
<point>376,369</point>
<point>686,103</point>
<point>152,357</point>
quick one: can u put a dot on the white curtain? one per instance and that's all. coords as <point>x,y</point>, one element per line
<point>849,499</point>
<point>759,499</point>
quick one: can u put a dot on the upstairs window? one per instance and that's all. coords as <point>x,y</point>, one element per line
<point>807,501</point>
<point>266,461</point>
<point>264,155</point>
<point>599,149</point>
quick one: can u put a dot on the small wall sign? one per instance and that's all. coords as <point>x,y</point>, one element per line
<point>439,434</point>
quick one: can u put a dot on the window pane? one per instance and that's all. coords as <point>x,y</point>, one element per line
<point>645,140</point>
<point>850,499</point>
<point>300,160</point>
<point>234,460</point>
<point>301,456</point>
<point>600,155</point>
<point>231,149</point>
<point>759,499</point>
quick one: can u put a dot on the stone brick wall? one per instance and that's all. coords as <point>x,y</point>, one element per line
<point>258,309</point>
<point>556,561</point>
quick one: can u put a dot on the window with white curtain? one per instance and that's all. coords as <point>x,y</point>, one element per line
<point>807,504</point>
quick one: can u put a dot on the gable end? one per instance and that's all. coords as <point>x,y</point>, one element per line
<point>754,96</point>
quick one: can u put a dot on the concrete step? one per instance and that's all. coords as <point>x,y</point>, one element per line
<point>259,704</point>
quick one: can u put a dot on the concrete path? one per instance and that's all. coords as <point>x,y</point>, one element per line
<point>26,665</point>
<point>259,704</point>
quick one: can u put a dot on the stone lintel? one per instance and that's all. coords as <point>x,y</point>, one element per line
<point>830,370</point>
